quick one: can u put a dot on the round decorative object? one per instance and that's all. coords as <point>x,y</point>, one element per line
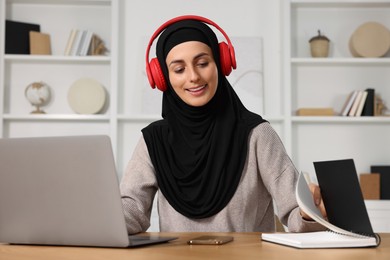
<point>38,94</point>
<point>86,96</point>
<point>370,40</point>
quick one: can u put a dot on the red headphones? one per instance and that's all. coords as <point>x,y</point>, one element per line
<point>153,69</point>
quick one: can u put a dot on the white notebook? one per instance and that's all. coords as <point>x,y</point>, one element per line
<point>335,237</point>
<point>321,239</point>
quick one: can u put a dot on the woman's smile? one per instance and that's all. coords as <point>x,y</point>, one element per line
<point>197,90</point>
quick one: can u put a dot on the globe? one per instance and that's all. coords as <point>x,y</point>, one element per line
<point>38,94</point>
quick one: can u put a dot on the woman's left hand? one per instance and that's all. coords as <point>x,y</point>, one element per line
<point>316,192</point>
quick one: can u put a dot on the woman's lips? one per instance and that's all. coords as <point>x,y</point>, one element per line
<point>197,90</point>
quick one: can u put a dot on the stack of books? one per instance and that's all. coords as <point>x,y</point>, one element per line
<point>83,43</point>
<point>360,103</point>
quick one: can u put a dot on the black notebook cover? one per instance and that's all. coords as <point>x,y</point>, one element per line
<point>17,39</point>
<point>342,196</point>
<point>384,171</point>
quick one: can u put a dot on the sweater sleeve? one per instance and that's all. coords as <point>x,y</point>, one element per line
<point>138,188</point>
<point>280,176</point>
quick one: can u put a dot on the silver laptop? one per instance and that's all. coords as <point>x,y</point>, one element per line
<point>62,191</point>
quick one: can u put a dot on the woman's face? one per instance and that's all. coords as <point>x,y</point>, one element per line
<point>192,72</point>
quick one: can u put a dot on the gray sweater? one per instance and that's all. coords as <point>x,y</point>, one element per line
<point>268,180</point>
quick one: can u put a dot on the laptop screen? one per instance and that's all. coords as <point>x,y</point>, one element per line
<point>60,190</point>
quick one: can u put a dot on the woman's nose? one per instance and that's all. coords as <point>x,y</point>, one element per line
<point>193,74</point>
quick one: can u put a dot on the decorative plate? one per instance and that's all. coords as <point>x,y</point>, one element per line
<point>370,39</point>
<point>86,96</point>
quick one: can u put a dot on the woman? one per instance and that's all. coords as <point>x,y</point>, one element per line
<point>215,165</point>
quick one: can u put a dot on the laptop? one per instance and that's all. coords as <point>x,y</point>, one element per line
<point>62,191</point>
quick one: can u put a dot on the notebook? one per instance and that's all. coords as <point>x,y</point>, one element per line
<point>348,223</point>
<point>62,191</point>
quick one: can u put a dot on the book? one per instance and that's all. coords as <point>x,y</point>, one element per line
<point>70,42</point>
<point>369,106</point>
<point>355,104</point>
<point>346,228</point>
<point>81,42</point>
<point>349,102</point>
<point>17,38</point>
<point>40,43</point>
<point>86,43</point>
<point>362,101</point>
<point>76,43</point>
<point>315,112</point>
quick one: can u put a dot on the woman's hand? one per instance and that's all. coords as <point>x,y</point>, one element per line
<point>316,192</point>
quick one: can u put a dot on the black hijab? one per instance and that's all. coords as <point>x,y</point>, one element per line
<point>198,152</point>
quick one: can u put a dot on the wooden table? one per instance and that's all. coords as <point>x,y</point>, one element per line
<point>245,246</point>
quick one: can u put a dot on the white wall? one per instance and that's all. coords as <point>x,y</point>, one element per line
<point>237,18</point>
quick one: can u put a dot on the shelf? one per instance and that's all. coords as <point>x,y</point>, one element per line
<point>341,3</point>
<point>151,118</point>
<point>56,117</point>
<point>341,119</point>
<point>274,119</point>
<point>56,58</point>
<point>138,118</point>
<point>62,2</point>
<point>341,61</point>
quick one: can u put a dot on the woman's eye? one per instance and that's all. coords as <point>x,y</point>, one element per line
<point>178,70</point>
<point>203,64</point>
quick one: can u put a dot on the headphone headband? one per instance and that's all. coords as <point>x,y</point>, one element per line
<point>180,18</point>
<point>153,68</point>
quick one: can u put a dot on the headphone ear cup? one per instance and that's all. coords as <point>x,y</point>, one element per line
<point>150,77</point>
<point>233,56</point>
<point>225,58</point>
<point>157,75</point>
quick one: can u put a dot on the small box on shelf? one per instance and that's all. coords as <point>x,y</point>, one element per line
<point>384,172</point>
<point>327,111</point>
<point>40,43</point>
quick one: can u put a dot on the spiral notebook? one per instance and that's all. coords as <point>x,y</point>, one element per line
<point>348,223</point>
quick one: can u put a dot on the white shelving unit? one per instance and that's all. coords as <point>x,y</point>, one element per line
<point>326,82</point>
<point>58,18</point>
